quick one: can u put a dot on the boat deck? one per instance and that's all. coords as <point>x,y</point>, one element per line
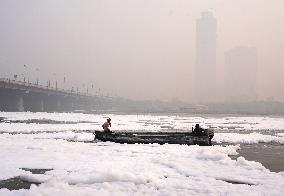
<point>187,138</point>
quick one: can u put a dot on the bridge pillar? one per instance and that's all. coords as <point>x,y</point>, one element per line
<point>38,105</point>
<point>33,102</point>
<point>19,103</point>
<point>11,102</point>
<point>52,103</point>
<point>3,101</point>
<point>67,104</point>
<point>58,105</point>
<point>41,105</point>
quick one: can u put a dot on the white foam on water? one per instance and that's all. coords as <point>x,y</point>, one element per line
<point>100,168</point>
<point>133,122</point>
<point>110,168</point>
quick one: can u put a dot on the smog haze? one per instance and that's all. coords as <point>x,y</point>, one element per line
<point>145,49</point>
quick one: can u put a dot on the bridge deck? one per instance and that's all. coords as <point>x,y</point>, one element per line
<point>30,87</point>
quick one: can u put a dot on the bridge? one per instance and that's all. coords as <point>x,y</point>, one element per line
<point>25,96</point>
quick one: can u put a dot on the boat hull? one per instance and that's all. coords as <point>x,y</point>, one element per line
<point>153,137</point>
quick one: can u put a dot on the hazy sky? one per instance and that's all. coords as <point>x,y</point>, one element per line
<point>141,49</point>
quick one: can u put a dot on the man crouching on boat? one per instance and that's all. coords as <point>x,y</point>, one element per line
<point>198,131</point>
<point>106,125</point>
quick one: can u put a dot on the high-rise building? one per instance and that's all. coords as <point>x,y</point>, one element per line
<point>240,74</point>
<point>205,72</point>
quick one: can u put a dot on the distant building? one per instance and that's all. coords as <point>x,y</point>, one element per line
<point>205,72</point>
<point>240,74</point>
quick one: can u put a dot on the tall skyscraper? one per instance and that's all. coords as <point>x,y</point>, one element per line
<point>240,74</point>
<point>205,72</point>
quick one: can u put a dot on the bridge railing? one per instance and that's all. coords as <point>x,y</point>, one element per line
<point>29,85</point>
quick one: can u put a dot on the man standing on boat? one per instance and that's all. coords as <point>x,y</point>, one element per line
<point>210,133</point>
<point>106,125</point>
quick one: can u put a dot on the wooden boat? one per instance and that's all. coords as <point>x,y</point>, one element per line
<point>187,138</point>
